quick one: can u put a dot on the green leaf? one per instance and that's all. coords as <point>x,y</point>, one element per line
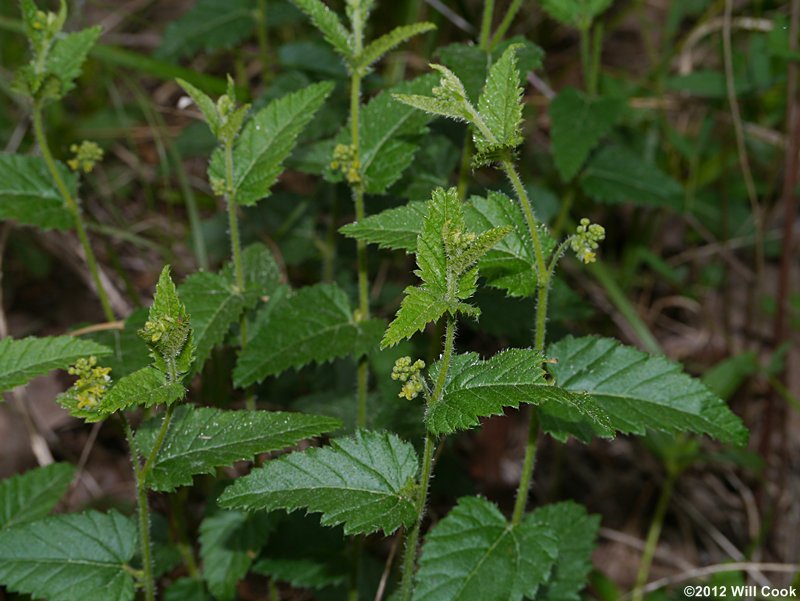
<point>315,325</point>
<point>30,496</point>
<point>265,142</point>
<point>129,353</point>
<point>146,387</point>
<point>615,175</point>
<point>474,554</point>
<point>578,124</point>
<point>476,389</point>
<point>201,439</point>
<point>446,254</point>
<point>229,540</point>
<point>575,532</point>
<point>207,106</point>
<point>187,589</point>
<point>328,24</point>
<point>301,573</point>
<point>28,194</point>
<point>511,264</point>
<point>449,98</point>
<point>500,104</point>
<point>209,25</point>
<point>75,557</point>
<point>377,48</point>
<point>213,303</point>
<point>67,56</point>
<point>262,276</point>
<point>366,482</point>
<point>394,229</point>
<point>641,391</point>
<point>575,13</point>
<point>24,359</point>
<point>167,331</point>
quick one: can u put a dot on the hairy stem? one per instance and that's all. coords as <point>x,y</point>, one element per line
<point>412,542</point>
<point>73,208</point>
<point>527,210</point>
<point>653,535</point>
<point>143,514</point>
<point>528,465</point>
<point>361,246</point>
<point>162,434</point>
<point>233,227</point>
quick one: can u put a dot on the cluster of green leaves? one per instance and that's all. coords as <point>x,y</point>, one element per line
<point>368,482</point>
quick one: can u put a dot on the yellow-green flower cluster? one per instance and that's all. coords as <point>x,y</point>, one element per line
<point>409,373</point>
<point>87,155</point>
<point>587,240</point>
<point>92,382</point>
<point>344,160</point>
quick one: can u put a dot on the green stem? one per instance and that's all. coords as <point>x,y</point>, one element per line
<point>465,168</point>
<point>530,218</point>
<point>512,11</point>
<point>597,52</point>
<point>162,434</point>
<point>585,56</point>
<point>73,208</point>
<point>233,226</point>
<point>653,535</point>
<point>412,542</point>
<point>486,23</point>
<point>527,468</point>
<point>274,594</point>
<point>361,246</point>
<point>263,40</point>
<point>143,513</point>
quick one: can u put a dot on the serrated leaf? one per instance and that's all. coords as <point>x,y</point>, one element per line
<point>389,131</point>
<point>419,307</point>
<point>478,389</point>
<point>262,276</point>
<point>66,57</point>
<point>377,48</point>
<point>129,353</point>
<point>394,229</point>
<point>615,174</point>
<point>641,391</point>
<point>209,25</point>
<point>207,106</point>
<point>500,104</point>
<point>578,124</point>
<point>328,24</point>
<point>314,325</point>
<point>575,532</point>
<point>75,557</point>
<point>265,142</point>
<point>24,359</point>
<point>229,540</point>
<point>29,195</point>
<point>167,331</point>
<point>201,439</point>
<point>30,496</point>
<point>146,387</point>
<point>301,573</point>
<point>511,264</point>
<point>575,13</point>
<point>213,304</point>
<point>474,554</point>
<point>366,482</point>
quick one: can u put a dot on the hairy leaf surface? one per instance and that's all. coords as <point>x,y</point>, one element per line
<point>394,229</point>
<point>377,48</point>
<point>328,24</point>
<point>24,359</point>
<point>474,554</point>
<point>301,573</point>
<point>28,194</point>
<point>365,482</point>
<point>146,387</point>
<point>575,13</point>
<point>641,391</point>
<point>74,557</point>
<point>579,122</point>
<point>30,496</point>
<point>314,325</point>
<point>201,439</point>
<point>66,57</point>
<point>209,25</point>
<point>499,104</point>
<point>266,140</point>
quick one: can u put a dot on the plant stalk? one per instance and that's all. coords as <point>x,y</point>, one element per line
<point>508,18</point>
<point>73,208</point>
<point>653,535</point>
<point>412,542</point>
<point>263,40</point>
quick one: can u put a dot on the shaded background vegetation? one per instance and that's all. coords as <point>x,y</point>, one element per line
<point>695,185</point>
